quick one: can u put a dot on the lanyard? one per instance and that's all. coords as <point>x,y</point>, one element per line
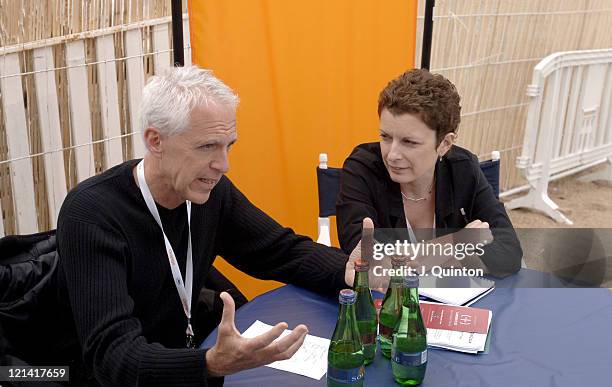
<point>184,289</point>
<point>412,236</point>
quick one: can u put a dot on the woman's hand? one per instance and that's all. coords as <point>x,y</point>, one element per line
<point>477,224</point>
<point>483,235</point>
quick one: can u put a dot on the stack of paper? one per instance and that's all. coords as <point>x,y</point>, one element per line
<point>458,328</point>
<point>459,290</point>
<point>310,360</point>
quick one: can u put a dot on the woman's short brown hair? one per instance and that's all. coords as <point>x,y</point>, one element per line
<point>431,96</point>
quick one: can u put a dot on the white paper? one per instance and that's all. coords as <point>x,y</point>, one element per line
<point>456,340</point>
<point>459,292</point>
<point>455,296</point>
<point>310,360</point>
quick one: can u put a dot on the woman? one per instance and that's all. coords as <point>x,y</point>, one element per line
<point>416,178</point>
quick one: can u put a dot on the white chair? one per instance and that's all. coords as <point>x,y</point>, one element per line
<point>328,182</point>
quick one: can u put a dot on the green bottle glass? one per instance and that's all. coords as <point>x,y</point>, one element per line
<point>409,350</point>
<point>391,306</point>
<point>345,356</point>
<point>365,310</point>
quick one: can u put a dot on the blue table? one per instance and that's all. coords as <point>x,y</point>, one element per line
<point>540,337</point>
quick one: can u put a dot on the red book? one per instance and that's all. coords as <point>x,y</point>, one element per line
<point>455,318</point>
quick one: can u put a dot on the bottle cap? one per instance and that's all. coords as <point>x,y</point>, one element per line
<point>347,296</point>
<point>362,265</point>
<point>411,281</point>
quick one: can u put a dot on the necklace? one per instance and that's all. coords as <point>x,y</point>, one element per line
<point>416,200</point>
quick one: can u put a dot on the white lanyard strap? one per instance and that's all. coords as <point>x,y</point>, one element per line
<point>184,289</point>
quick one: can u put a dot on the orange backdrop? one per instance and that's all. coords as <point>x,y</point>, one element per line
<point>308,75</point>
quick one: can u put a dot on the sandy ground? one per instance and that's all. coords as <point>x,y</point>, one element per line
<point>587,244</point>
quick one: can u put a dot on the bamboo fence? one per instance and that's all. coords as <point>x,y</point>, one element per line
<point>488,49</point>
<point>24,21</point>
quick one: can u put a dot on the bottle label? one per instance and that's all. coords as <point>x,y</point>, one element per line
<point>345,376</point>
<point>409,359</point>
<point>385,331</point>
<point>368,339</point>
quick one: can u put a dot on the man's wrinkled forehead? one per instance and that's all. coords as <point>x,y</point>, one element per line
<point>214,114</point>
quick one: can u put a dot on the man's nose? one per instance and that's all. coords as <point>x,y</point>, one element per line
<point>221,162</point>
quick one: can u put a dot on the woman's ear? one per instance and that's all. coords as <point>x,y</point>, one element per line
<point>446,143</point>
<point>153,141</point>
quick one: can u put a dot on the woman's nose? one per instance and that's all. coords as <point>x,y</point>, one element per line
<point>394,153</point>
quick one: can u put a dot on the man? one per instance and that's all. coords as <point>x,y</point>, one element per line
<point>136,241</point>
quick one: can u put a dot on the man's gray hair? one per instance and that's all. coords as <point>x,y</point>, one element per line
<point>168,99</point>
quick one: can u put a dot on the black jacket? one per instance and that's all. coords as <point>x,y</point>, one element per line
<point>366,190</point>
<point>35,326</point>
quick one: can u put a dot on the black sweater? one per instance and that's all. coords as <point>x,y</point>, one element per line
<point>117,278</point>
<point>366,190</point>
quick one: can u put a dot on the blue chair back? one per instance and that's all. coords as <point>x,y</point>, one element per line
<point>328,181</point>
<point>490,168</point>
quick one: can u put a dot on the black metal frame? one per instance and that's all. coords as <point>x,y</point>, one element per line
<point>427,30</point>
<point>177,33</point>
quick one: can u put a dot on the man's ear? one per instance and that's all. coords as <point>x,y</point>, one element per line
<point>153,140</point>
<point>446,143</point>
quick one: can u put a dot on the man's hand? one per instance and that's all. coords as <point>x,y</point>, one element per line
<point>376,283</point>
<point>232,352</point>
<point>349,272</point>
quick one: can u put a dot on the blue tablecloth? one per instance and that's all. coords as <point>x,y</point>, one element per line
<point>540,337</point>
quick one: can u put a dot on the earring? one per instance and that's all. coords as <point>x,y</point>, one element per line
<point>440,159</point>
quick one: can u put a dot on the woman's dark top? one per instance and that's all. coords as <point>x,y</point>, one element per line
<point>366,190</point>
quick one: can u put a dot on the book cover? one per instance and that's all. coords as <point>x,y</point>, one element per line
<point>455,318</point>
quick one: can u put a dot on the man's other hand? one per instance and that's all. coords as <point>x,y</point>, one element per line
<point>233,353</point>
